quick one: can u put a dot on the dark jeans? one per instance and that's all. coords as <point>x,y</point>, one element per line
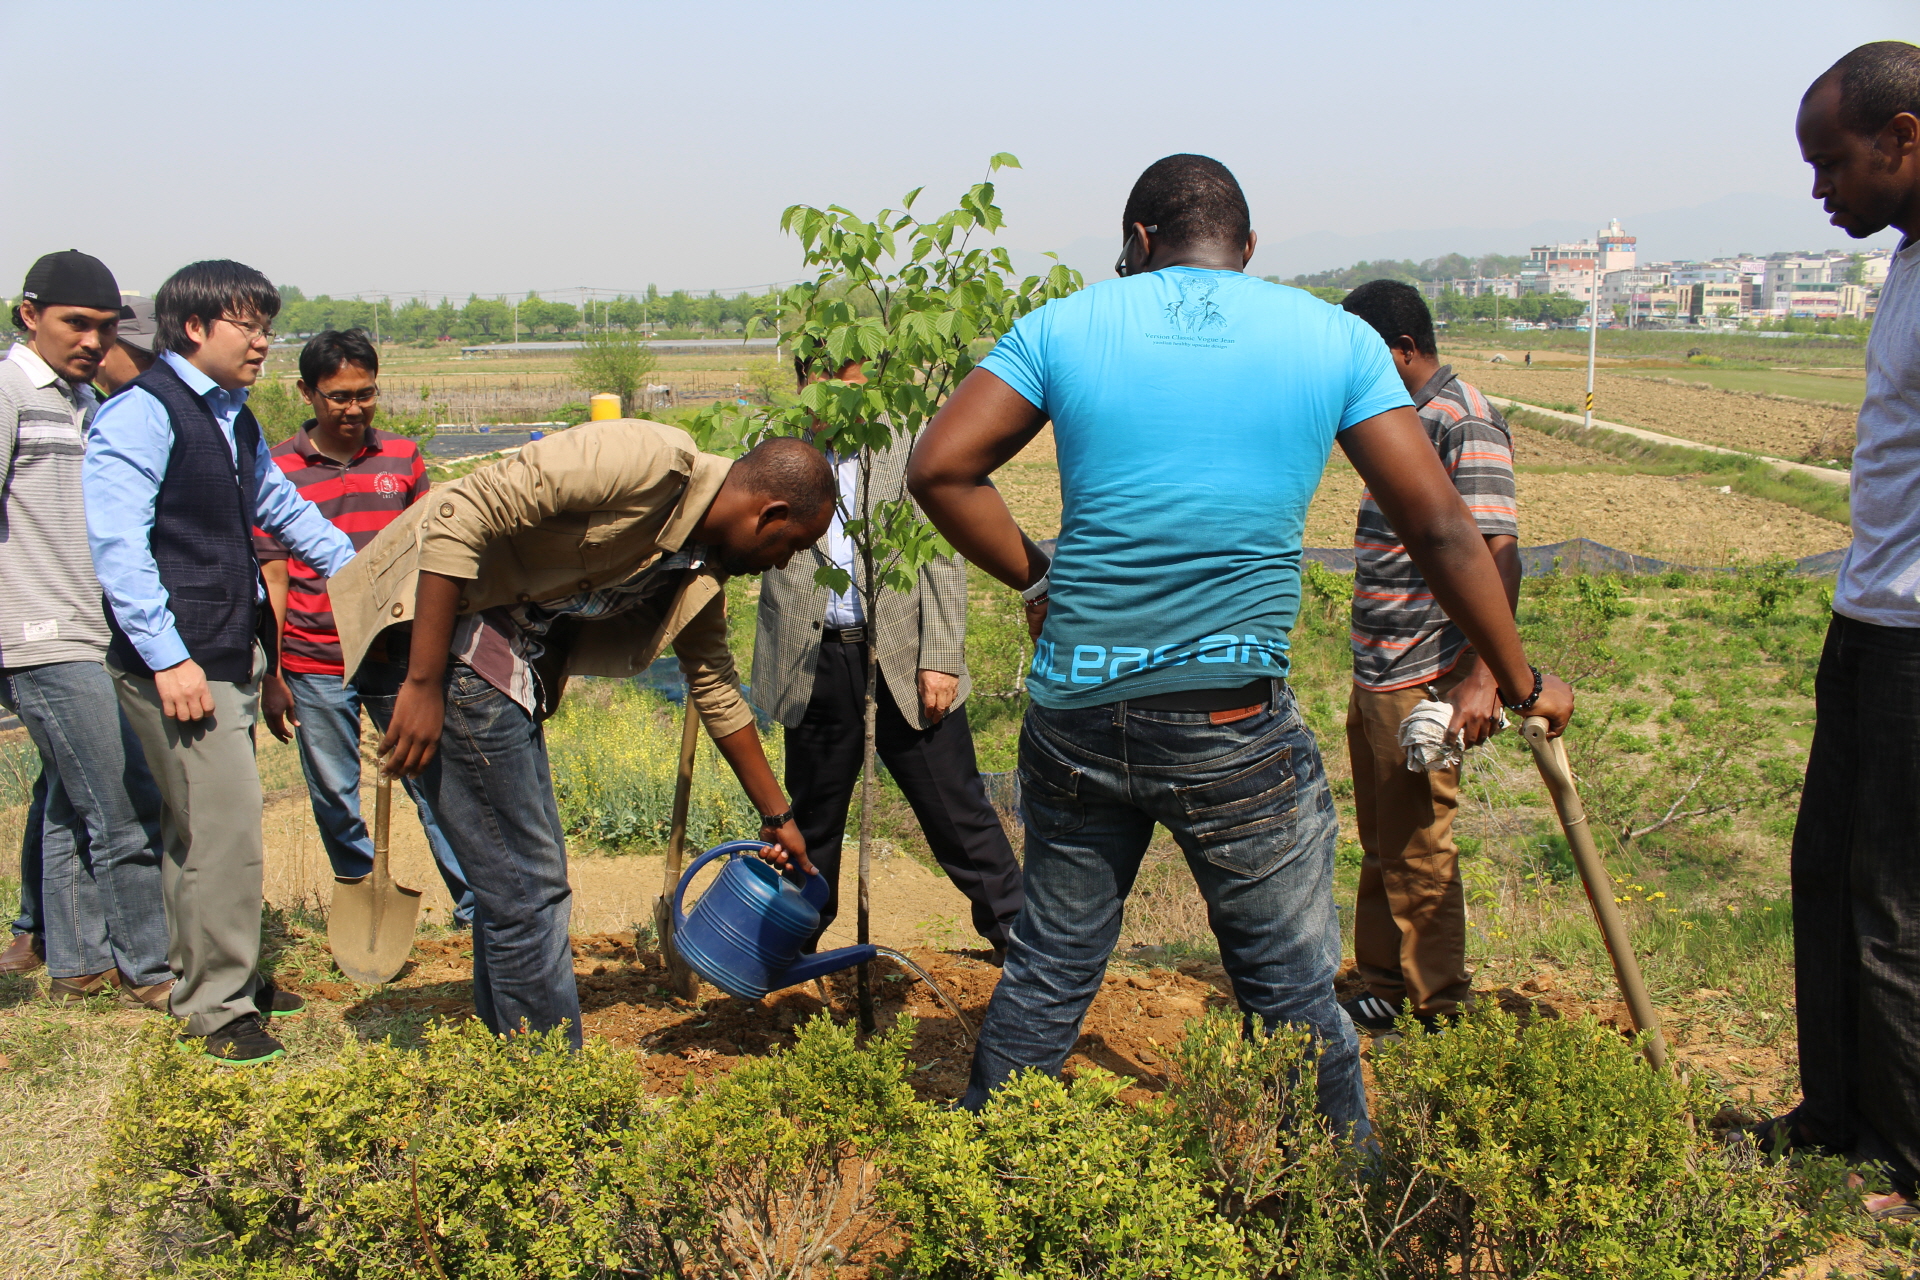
<point>936,770</point>
<point>492,792</point>
<point>1856,899</point>
<point>1249,805</point>
<point>329,735</point>
<point>91,853</point>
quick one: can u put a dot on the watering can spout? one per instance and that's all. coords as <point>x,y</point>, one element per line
<point>822,963</point>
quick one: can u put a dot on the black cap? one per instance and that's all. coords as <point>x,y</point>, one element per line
<point>72,279</point>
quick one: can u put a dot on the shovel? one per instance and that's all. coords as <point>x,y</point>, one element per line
<point>1551,755</point>
<point>680,976</point>
<point>370,928</point>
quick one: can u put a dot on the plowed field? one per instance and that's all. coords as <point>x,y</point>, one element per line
<point>1773,425</point>
<point>1668,517</point>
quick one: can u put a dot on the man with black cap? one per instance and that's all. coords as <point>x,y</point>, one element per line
<point>132,355</point>
<point>90,858</point>
<point>177,475</point>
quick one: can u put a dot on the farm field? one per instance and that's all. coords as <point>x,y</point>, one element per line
<point>1672,674</point>
<point>1799,430</point>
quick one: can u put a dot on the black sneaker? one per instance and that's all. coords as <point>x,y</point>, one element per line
<point>244,1042</point>
<point>1370,1013</point>
<point>272,1002</point>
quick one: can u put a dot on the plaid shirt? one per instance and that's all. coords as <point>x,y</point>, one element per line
<point>1401,637</point>
<point>504,645</point>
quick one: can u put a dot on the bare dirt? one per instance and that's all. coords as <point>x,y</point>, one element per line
<point>1676,518</point>
<point>1774,425</point>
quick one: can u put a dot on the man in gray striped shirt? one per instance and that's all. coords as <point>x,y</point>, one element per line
<point>1410,920</point>
<point>90,855</point>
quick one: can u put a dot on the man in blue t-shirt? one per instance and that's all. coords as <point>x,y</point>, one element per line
<point>1193,408</point>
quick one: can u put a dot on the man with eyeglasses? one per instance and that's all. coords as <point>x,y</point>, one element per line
<point>177,476</point>
<point>361,479</point>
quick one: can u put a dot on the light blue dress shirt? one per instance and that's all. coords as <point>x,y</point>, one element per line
<point>844,608</point>
<point>127,453</point>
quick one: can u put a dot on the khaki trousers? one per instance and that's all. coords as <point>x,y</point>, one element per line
<point>1410,919</point>
<point>210,871</point>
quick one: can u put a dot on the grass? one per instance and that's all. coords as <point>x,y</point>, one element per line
<point>1750,476</point>
<point>1770,382</point>
<point>1806,350</point>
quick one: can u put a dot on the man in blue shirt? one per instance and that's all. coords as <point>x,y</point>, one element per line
<point>1193,409</point>
<point>176,474</point>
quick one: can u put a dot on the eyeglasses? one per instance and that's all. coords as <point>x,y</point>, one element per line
<point>255,332</point>
<point>366,395</point>
<point>1121,266</point>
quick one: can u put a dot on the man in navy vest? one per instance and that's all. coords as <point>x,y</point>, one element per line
<point>177,474</point>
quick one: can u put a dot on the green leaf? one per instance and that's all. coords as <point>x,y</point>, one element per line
<point>1002,160</point>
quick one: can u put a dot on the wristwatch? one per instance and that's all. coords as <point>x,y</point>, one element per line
<point>777,820</point>
<point>1526,703</point>
<point>1038,591</point>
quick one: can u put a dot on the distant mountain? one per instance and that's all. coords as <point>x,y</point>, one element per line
<point>1751,223</point>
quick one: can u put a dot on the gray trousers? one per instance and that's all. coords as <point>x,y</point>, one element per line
<point>210,873</point>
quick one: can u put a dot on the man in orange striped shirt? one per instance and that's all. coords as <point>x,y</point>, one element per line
<point>1410,920</point>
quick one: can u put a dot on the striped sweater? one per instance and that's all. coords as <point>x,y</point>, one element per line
<point>361,498</point>
<point>1400,636</point>
<point>50,603</point>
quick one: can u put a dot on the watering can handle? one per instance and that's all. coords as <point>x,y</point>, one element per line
<point>686,877</point>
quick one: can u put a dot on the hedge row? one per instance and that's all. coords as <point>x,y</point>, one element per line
<point>1550,1150</point>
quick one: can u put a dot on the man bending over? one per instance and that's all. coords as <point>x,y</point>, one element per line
<point>587,553</point>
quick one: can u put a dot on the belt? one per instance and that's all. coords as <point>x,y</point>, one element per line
<point>1237,699</point>
<point>844,635</point>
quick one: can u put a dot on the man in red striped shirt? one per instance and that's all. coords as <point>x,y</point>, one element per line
<point>361,480</point>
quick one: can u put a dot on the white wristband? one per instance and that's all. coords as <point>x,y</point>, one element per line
<point>1037,592</point>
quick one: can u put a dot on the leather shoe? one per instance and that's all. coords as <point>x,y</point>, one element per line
<point>273,1002</point>
<point>23,955</point>
<point>155,995</point>
<point>84,987</point>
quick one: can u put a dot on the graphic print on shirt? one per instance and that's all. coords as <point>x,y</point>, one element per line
<point>1195,311</point>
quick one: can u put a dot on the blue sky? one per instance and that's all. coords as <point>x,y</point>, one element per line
<point>406,146</point>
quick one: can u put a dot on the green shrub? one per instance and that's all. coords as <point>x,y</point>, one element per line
<point>1243,1106</point>
<point>774,1171</point>
<point>476,1157</point>
<point>1058,1180</point>
<point>1554,1150</point>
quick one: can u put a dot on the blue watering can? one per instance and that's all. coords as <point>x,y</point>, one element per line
<point>745,933</point>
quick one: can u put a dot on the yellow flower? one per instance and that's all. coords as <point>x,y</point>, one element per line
<point>1661,894</point>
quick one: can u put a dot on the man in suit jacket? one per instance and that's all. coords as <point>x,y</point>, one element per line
<point>809,672</point>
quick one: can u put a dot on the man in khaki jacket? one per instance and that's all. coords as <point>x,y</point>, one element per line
<point>585,554</point>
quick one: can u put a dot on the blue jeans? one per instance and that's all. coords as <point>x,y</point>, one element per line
<point>97,836</point>
<point>329,715</point>
<point>1249,805</point>
<point>490,788</point>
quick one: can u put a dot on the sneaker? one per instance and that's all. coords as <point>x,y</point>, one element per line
<point>1370,1013</point>
<point>275,1003</point>
<point>244,1042</point>
<point>66,991</point>
<point>24,954</point>
<point>155,995</point>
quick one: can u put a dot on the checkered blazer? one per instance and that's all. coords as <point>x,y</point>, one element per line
<point>923,629</point>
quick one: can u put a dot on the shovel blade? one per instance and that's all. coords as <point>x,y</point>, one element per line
<point>370,928</point>
<point>681,978</point>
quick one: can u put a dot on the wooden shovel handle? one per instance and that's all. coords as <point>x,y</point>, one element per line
<point>382,828</point>
<point>1550,754</point>
<point>682,795</point>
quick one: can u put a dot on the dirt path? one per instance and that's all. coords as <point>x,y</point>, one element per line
<point>912,906</point>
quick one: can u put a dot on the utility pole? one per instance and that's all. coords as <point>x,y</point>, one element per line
<point>516,322</point>
<point>1593,333</point>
